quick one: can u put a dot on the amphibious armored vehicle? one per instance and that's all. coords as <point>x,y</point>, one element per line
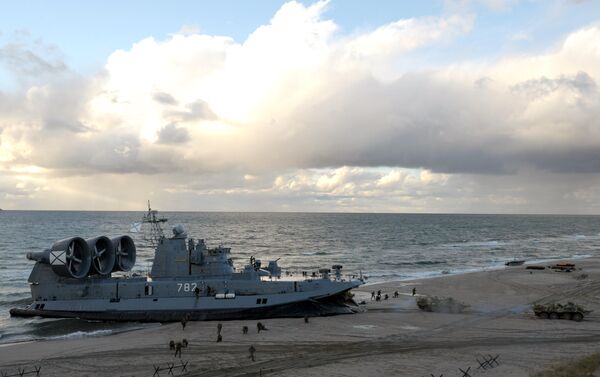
<point>77,278</point>
<point>560,311</point>
<point>440,304</point>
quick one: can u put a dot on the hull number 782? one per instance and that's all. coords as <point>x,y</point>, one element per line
<point>187,287</point>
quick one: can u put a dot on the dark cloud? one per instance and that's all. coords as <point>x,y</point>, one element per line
<point>68,124</point>
<point>447,126</point>
<point>581,82</point>
<point>164,98</point>
<point>22,60</point>
<point>172,134</point>
<point>198,110</point>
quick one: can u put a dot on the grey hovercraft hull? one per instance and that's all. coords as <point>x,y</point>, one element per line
<point>331,305</point>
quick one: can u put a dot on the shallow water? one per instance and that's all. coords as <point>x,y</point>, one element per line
<point>382,246</point>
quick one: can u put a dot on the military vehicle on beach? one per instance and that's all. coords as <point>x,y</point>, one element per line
<point>569,310</point>
<point>440,304</point>
<point>92,279</point>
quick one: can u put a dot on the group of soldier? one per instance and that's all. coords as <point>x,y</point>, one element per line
<point>377,297</point>
<point>177,346</point>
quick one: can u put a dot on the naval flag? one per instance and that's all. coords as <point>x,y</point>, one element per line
<point>135,228</point>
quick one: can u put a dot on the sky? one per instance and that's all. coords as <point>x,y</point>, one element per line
<point>449,106</point>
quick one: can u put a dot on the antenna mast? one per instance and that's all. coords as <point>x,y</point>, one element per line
<point>156,232</point>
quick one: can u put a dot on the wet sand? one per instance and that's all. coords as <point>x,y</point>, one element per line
<point>391,338</point>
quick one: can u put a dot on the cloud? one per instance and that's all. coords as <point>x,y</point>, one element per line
<point>164,98</point>
<point>22,60</point>
<point>310,112</point>
<point>171,134</point>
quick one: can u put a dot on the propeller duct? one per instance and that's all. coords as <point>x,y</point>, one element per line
<point>103,255</point>
<point>69,258</point>
<point>124,252</point>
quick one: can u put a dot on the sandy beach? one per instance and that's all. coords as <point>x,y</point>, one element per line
<point>391,337</point>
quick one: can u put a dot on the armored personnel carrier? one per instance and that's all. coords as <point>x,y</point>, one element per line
<point>560,311</point>
<point>78,278</point>
<point>437,304</point>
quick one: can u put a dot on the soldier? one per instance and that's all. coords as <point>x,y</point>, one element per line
<point>372,295</point>
<point>251,350</point>
<point>183,323</point>
<point>219,328</point>
<point>396,294</point>
<point>172,345</point>
<point>184,342</point>
<point>378,298</point>
<point>379,292</point>
<point>386,296</point>
<point>260,327</point>
<point>178,346</point>
<point>305,319</point>
<point>219,338</point>
<point>414,291</point>
<point>245,330</point>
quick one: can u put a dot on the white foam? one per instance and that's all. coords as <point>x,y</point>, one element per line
<point>82,334</point>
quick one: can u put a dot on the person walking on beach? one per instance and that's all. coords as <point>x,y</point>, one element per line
<point>251,350</point>
<point>372,295</point>
<point>178,346</point>
<point>414,291</point>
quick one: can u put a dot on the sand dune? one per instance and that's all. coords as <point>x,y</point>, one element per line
<point>391,337</point>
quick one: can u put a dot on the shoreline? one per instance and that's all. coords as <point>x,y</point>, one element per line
<point>481,269</point>
<point>402,281</point>
<point>393,337</point>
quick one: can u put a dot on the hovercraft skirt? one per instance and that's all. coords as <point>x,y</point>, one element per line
<point>338,304</point>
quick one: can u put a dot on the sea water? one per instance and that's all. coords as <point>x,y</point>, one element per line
<point>382,246</point>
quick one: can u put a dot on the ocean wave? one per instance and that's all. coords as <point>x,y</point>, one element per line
<point>19,302</point>
<point>81,334</point>
<point>314,253</point>
<point>418,263</point>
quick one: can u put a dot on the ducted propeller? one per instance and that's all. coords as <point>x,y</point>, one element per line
<point>125,253</point>
<point>70,257</point>
<point>103,255</point>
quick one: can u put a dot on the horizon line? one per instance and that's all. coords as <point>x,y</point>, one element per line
<point>312,212</point>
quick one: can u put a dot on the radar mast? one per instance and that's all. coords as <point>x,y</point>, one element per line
<point>155,234</point>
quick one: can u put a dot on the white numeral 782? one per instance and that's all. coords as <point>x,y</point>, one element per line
<point>186,287</point>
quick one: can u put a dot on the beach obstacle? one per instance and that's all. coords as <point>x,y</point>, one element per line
<point>169,368</point>
<point>489,361</point>
<point>465,372</point>
<point>22,372</point>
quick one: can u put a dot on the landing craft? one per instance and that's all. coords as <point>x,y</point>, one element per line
<point>75,279</point>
